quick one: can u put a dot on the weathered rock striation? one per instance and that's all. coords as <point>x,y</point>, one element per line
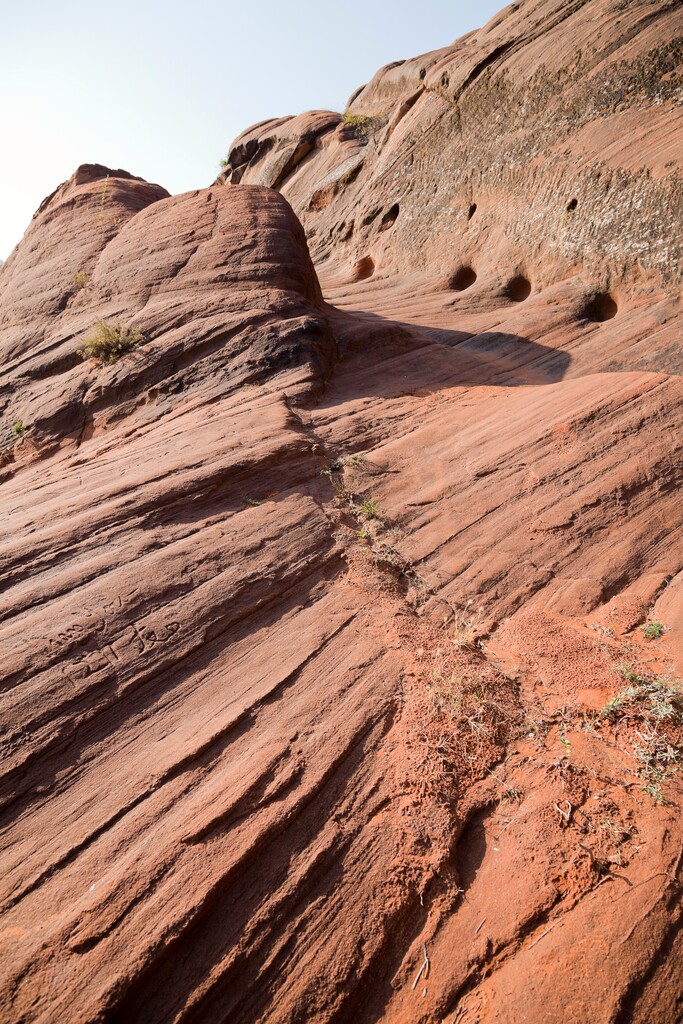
<point>545,142</point>
<point>326,694</point>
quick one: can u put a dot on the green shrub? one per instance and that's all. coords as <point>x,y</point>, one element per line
<point>652,631</point>
<point>18,429</point>
<point>108,342</point>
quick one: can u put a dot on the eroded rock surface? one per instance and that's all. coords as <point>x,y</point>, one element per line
<point>325,693</point>
<point>544,145</point>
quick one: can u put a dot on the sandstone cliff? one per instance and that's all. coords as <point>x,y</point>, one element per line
<point>333,684</point>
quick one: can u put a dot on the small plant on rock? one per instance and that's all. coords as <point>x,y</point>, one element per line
<point>652,711</point>
<point>108,342</point>
<point>652,630</point>
<point>629,676</point>
<point>359,125</point>
<point>467,630</point>
<point>355,461</point>
<point>370,508</point>
<point>18,429</point>
<point>81,278</point>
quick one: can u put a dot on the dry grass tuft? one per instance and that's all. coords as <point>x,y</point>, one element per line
<point>468,629</point>
<point>650,711</point>
<point>461,713</point>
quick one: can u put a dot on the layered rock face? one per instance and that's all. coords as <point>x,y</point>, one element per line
<point>221,285</point>
<point>328,689</point>
<point>543,145</point>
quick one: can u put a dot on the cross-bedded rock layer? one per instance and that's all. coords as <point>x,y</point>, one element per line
<point>257,764</point>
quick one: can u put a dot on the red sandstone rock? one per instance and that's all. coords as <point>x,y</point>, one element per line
<point>269,152</point>
<point>543,145</point>
<point>220,284</point>
<point>310,608</point>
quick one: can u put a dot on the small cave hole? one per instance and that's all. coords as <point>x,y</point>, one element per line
<point>462,279</point>
<point>363,269</point>
<point>472,210</point>
<point>600,307</point>
<point>389,218</point>
<point>571,205</point>
<point>518,289</point>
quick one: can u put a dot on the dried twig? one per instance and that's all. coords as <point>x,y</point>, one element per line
<point>543,934</point>
<point>565,814</point>
<point>424,967</point>
<point>479,926</point>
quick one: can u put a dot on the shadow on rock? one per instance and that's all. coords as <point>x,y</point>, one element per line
<point>396,358</point>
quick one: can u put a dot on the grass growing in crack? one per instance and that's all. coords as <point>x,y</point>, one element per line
<point>109,341</point>
<point>18,429</point>
<point>652,711</point>
<point>367,508</point>
<point>81,278</point>
<point>375,530</point>
<point>459,712</point>
<point>652,630</point>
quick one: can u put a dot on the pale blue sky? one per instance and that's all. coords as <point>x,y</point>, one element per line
<point>161,89</point>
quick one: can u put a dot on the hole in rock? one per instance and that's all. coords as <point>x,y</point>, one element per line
<point>571,205</point>
<point>363,269</point>
<point>518,289</point>
<point>389,218</point>
<point>472,210</point>
<point>370,215</point>
<point>600,307</point>
<point>462,279</point>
